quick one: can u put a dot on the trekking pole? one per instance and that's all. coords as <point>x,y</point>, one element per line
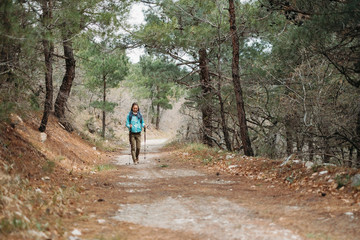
<point>144,143</point>
<point>130,144</point>
<point>129,156</point>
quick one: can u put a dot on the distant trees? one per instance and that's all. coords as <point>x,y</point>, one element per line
<point>105,67</point>
<point>323,54</point>
<point>154,78</point>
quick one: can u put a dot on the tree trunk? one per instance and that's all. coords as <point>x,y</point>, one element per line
<point>103,111</point>
<point>48,54</point>
<point>157,126</point>
<point>153,117</point>
<point>68,79</point>
<point>289,135</point>
<point>224,126</point>
<point>326,154</point>
<point>357,162</point>
<point>223,120</point>
<point>245,139</point>
<point>351,162</point>
<point>311,149</point>
<point>206,109</point>
<point>299,143</point>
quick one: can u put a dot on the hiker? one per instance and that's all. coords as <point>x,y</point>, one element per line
<point>135,123</point>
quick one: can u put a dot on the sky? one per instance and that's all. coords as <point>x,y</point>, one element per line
<point>136,18</point>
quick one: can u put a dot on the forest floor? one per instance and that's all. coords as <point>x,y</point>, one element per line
<point>171,194</point>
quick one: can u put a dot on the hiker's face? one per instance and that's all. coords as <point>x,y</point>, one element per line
<point>135,108</point>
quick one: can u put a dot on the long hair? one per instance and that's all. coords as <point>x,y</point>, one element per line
<point>138,115</point>
<point>135,104</point>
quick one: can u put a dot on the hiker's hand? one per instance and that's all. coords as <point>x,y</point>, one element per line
<point>130,125</point>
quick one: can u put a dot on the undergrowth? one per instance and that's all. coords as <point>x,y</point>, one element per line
<point>200,152</point>
<point>104,167</point>
<point>106,145</point>
<point>25,210</point>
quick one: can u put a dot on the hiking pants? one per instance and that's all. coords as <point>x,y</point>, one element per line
<point>135,142</point>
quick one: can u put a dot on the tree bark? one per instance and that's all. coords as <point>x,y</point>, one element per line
<point>206,109</point>
<point>225,128</point>
<point>326,153</point>
<point>223,119</point>
<point>311,149</point>
<point>65,88</point>
<point>157,116</point>
<point>48,55</point>
<point>153,117</point>
<point>357,162</point>
<point>289,135</point>
<point>103,111</point>
<point>245,139</point>
<point>350,161</point>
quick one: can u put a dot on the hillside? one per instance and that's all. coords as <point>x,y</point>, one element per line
<point>40,178</point>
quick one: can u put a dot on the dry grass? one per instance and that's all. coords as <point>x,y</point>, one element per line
<point>40,182</point>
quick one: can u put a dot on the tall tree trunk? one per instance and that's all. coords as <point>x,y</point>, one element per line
<point>357,162</point>
<point>223,119</point>
<point>326,153</point>
<point>48,55</point>
<point>157,126</point>
<point>68,79</point>
<point>206,109</point>
<point>103,111</point>
<point>350,161</point>
<point>289,135</point>
<point>224,126</point>
<point>153,117</point>
<point>299,143</point>
<point>245,139</point>
<point>311,149</point>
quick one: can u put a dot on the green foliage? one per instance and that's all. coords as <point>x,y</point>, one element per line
<point>154,78</point>
<point>342,180</point>
<point>34,102</point>
<point>199,147</point>
<point>315,167</point>
<point>104,106</point>
<point>103,63</point>
<point>104,167</point>
<point>9,225</point>
<point>5,109</point>
<point>18,58</point>
<point>206,161</point>
<point>49,166</point>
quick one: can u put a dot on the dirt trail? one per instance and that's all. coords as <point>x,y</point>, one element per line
<point>162,198</point>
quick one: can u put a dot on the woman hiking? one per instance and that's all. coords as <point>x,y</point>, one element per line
<point>135,123</point>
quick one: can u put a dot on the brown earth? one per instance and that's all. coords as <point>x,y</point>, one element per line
<point>170,195</point>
